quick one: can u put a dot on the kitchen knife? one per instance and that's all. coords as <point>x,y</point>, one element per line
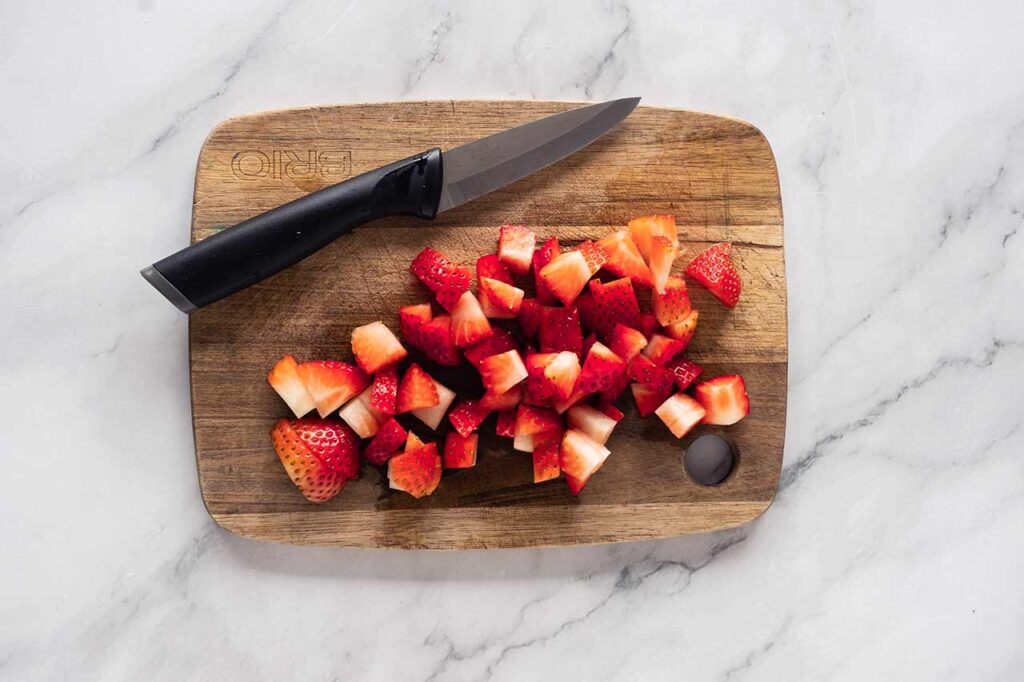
<point>422,185</point>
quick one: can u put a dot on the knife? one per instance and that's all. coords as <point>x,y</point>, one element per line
<point>422,185</point>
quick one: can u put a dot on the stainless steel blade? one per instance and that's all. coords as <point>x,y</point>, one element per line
<point>483,166</point>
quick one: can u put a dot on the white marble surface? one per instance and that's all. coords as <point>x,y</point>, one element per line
<point>895,548</point>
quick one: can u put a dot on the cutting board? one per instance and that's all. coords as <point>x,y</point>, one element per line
<point>716,175</point>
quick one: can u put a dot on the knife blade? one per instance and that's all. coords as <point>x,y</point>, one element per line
<point>422,185</point>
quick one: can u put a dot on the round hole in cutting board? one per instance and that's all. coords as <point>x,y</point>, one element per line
<point>710,459</point>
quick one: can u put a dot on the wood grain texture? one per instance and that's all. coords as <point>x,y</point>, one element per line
<point>717,176</point>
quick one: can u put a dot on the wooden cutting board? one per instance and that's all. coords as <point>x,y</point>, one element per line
<point>717,175</point>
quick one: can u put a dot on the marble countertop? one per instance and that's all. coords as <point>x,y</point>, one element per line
<point>894,548</point>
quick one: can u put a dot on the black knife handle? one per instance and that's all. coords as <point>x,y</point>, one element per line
<point>242,255</point>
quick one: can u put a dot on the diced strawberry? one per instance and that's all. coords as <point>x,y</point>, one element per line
<point>546,446</point>
<point>589,420</point>
<point>589,315</point>
<point>531,420</point>
<point>416,390</point>
<point>460,450</point>
<point>644,229</point>
<point>498,342</point>
<point>501,372</point>
<point>615,303</point>
<point>611,411</point>
<point>358,415</point>
<point>384,394</point>
<point>662,349</point>
<point>364,398</point>
<point>560,406</point>
<point>432,335</point>
<point>530,314</point>
<point>445,278</point>
<point>580,457</point>
<point>686,372</point>
<point>617,387</point>
<point>319,456</point>
<point>643,370</point>
<point>469,324</point>
<point>648,324</point>
<point>593,254</point>
<point>562,373</point>
<point>331,384</point>
<point>724,399</point>
<point>538,391</point>
<point>506,426</point>
<point>541,257</point>
<point>412,316</point>
<point>601,369</point>
<point>417,472</point>
<point>490,266</point>
<point>680,414</point>
<point>560,330</point>
<point>375,347</point>
<point>715,270</point>
<point>648,399</point>
<point>566,275</point>
<point>503,401</point>
<point>672,304</point>
<point>515,248</point>
<point>389,438</point>
<point>626,342</point>
<point>624,260</point>
<point>467,416</point>
<point>684,330</point>
<point>284,378</point>
<point>503,299</point>
<point>523,442</point>
<point>432,416</point>
<point>412,441</point>
<point>663,254</point>
<point>588,343</point>
<point>575,485</point>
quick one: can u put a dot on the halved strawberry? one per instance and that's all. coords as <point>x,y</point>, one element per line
<point>375,347</point>
<point>492,267</point>
<point>566,275</point>
<point>562,373</point>
<point>560,330</point>
<point>580,457</point>
<point>319,456</point>
<point>538,391</point>
<point>498,342</point>
<point>541,257</point>
<point>715,270</point>
<point>626,342</point>
<point>530,314</point>
<point>593,254</point>
<point>432,416</point>
<point>662,349</point>
<point>469,324</point>
<point>384,394</point>
<point>643,370</point>
<point>724,399</point>
<point>444,277</point>
<point>284,378</point>
<point>546,446</point>
<point>531,420</point>
<point>601,369</point>
<point>503,300</point>
<point>611,411</point>
<point>413,441</point>
<point>686,372</point>
<point>515,248</point>
<point>331,384</point>
<point>663,254</point>
<point>467,416</point>
<point>615,303</point>
<point>358,415</point>
<point>684,329</point>
<point>624,260</point>
<point>389,438</point>
<point>648,324</point>
<point>644,229</point>
<point>417,472</point>
<point>503,401</point>
<point>416,390</point>
<point>680,414</point>
<point>648,399</point>
<point>506,426</point>
<point>501,372</point>
<point>672,304</point>
<point>460,450</point>
<point>589,420</point>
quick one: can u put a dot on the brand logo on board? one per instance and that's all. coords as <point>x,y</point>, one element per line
<point>310,164</point>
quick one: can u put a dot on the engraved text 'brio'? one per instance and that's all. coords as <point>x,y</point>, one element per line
<point>256,164</point>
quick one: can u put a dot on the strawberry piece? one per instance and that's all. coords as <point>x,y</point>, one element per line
<point>503,299</point>
<point>566,275</point>
<point>506,426</point>
<point>331,384</point>
<point>460,450</point>
<point>384,393</point>
<point>588,343</point>
<point>617,387</point>
<point>680,413</point>
<point>580,457</point>
<point>624,259</point>
<point>593,254</point>
<point>531,420</point>
<point>499,342</point>
<point>503,371</point>
<point>590,421</point>
<point>413,316</point>
<point>530,314</point>
<point>467,416</point>
<point>601,369</point>
<point>444,277</point>
<point>376,347</point>
<point>611,411</point>
<point>284,378</point>
<point>560,330</point>
<point>684,330</point>
<point>663,254</point>
<point>672,304</point>
<point>432,416</point>
<point>648,399</point>
<point>643,370</point>
<point>416,390</point>
<point>412,441</point>
<point>648,324</point>
<point>575,485</point>
<point>588,312</point>
<point>562,373</point>
<point>662,349</point>
<point>615,303</point>
<point>541,257</point>
<point>643,230</point>
<point>523,442</point>
<point>469,324</point>
<point>538,391</point>
<point>431,335</point>
<point>503,401</point>
<point>319,456</point>
<point>358,415</point>
<point>724,399</point>
<point>560,405</point>
<point>685,372</point>
<point>626,342</point>
<point>491,267</point>
<point>389,438</point>
<point>546,446</point>
<point>515,248</point>
<point>417,472</point>
<point>715,270</point>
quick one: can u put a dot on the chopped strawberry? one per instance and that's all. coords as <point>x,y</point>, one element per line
<point>515,248</point>
<point>417,472</point>
<point>662,349</point>
<point>680,414</point>
<point>467,416</point>
<point>546,446</point>
<point>562,373</point>
<point>389,438</point>
<point>530,314</point>
<point>663,254</point>
<point>672,304</point>
<point>538,391</point>
<point>444,277</point>
<point>412,316</point>
<point>469,324</point>
<point>588,343</point>
<point>503,371</point>
<point>580,457</point>
<point>319,456</point>
<point>498,342</point>
<point>686,372</point>
<point>503,300</point>
<point>643,370</point>
<point>589,315</point>
<point>684,329</point>
<point>626,342</point>
<point>541,257</point>
<point>560,406</point>
<point>432,416</point>
<point>624,260</point>
<point>575,485</point>
<point>648,324</point>
<point>284,378</point>
<point>615,303</point>
<point>358,415</point>
<point>523,442</point>
<point>566,275</point>
<point>593,254</point>
<point>432,335</point>
<point>412,441</point>
<point>560,330</point>
<point>531,420</point>
<point>648,399</point>
<point>490,266</point>
<point>506,426</point>
<point>724,399</point>
<point>643,230</point>
<point>600,370</point>
<point>460,450</point>
<point>611,411</point>
<point>384,394</point>
<point>375,347</point>
<point>617,387</point>
<point>503,401</point>
<point>331,384</point>
<point>416,390</point>
<point>715,270</point>
<point>592,422</point>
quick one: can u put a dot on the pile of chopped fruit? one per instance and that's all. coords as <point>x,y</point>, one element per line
<point>552,365</point>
